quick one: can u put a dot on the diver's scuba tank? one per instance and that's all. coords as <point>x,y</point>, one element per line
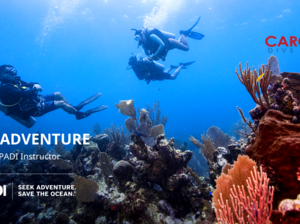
<point>158,65</point>
<point>28,124</point>
<point>4,108</point>
<point>167,34</point>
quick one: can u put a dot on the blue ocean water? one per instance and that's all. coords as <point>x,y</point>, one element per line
<point>81,47</point>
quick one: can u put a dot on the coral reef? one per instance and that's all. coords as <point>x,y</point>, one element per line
<point>165,166</point>
<point>216,157</point>
<point>157,164</point>
<point>152,185</point>
<point>118,137</point>
<point>142,127</point>
<point>274,139</point>
<point>155,114</point>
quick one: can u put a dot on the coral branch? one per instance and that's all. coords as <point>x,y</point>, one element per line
<point>258,204</point>
<point>244,119</point>
<point>249,80</point>
<point>207,149</point>
<point>225,215</point>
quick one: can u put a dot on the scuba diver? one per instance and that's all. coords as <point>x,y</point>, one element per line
<point>148,70</point>
<point>21,100</point>
<point>156,43</point>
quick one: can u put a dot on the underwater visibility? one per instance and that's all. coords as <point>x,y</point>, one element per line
<point>149,111</point>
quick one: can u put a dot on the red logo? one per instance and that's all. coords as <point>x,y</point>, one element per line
<point>291,41</point>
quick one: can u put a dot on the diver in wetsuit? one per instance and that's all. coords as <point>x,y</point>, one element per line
<point>23,100</point>
<point>148,70</point>
<point>157,43</point>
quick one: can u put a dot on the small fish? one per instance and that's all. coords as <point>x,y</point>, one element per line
<point>159,89</point>
<point>259,77</point>
<point>209,194</point>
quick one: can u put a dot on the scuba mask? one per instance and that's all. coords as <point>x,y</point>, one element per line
<point>138,38</point>
<point>10,70</point>
<point>132,62</point>
<point>9,74</point>
<point>138,35</point>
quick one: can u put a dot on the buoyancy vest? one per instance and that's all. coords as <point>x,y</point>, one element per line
<point>151,46</point>
<point>143,68</point>
<point>22,107</point>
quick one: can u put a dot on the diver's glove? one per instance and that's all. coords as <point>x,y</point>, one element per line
<point>38,87</point>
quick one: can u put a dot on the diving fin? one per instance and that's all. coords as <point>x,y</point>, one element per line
<point>87,101</point>
<point>81,115</point>
<point>191,34</point>
<point>187,63</point>
<point>195,35</point>
<point>184,65</point>
<point>175,67</point>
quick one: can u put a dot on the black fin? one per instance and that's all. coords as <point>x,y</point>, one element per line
<point>191,34</point>
<point>81,115</point>
<point>87,101</point>
<point>187,63</point>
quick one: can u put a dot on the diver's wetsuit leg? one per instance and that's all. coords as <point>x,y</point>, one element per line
<point>65,106</point>
<point>59,97</point>
<point>168,70</point>
<point>180,44</point>
<point>175,74</point>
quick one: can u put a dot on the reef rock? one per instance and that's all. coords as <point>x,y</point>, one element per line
<point>102,141</point>
<point>277,148</point>
<point>293,83</point>
<point>123,171</point>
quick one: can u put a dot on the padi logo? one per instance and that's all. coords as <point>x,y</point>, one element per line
<point>3,190</point>
<point>282,44</point>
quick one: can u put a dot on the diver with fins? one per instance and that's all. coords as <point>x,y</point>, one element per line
<point>148,70</point>
<point>156,43</point>
<point>22,101</point>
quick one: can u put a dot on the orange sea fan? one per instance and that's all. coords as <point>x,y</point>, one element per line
<point>246,194</point>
